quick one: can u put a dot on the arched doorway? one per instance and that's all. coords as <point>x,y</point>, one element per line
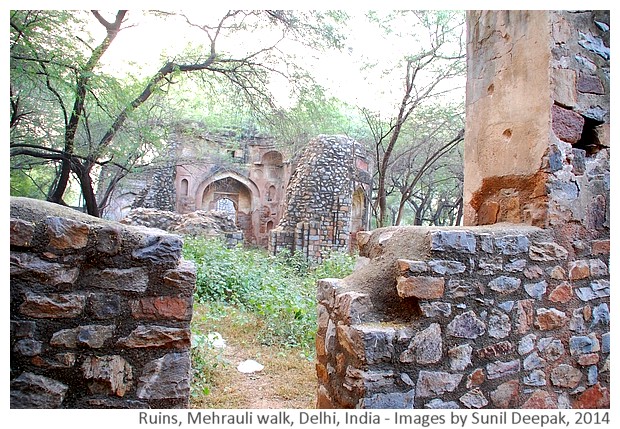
<point>232,194</point>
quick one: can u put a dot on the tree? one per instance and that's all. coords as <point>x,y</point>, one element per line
<point>95,109</point>
<point>423,76</point>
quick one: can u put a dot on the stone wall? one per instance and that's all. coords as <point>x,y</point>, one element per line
<point>321,213</point>
<point>482,317</point>
<point>537,127</point>
<point>99,311</point>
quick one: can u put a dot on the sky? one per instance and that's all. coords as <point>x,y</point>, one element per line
<point>338,72</point>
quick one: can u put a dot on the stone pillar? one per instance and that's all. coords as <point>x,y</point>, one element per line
<point>537,133</point>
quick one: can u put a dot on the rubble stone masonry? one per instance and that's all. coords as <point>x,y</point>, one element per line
<point>482,317</point>
<point>100,312</point>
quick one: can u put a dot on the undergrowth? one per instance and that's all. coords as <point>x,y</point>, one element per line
<point>279,291</point>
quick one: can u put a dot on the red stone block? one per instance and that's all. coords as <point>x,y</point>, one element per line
<point>165,307</point>
<point>600,247</point>
<point>578,270</point>
<point>566,124</point>
<point>562,293</point>
<point>541,399</point>
<point>421,287</point>
<point>594,397</point>
<point>588,359</point>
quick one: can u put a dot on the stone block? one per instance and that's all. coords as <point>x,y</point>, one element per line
<point>460,241</point>
<point>476,378</point>
<point>581,344</point>
<point>533,361</point>
<point>436,309</point>
<point>438,404</point>
<point>566,124</point>
<point>524,316</point>
<point>182,278</point>
<point>590,84</point>
<point>28,347</point>
<point>109,240</point>
<point>565,376</point>
<point>564,88</point>
<point>436,383</point>
<point>512,244</point>
<point>598,268</point>
<point>495,350</point>
<point>393,400</point>
<point>505,284</point>
<point>324,400</point>
<point>326,291</point>
<point>600,315</point>
<point>165,378</point>
<point>425,347</point>
<point>108,375</point>
<point>487,213</point>
<point>551,348</point>
<point>93,336</point>
<point>22,329</point>
<point>103,306</point>
<point>474,399</point>
<point>506,395</point>
<point>536,290</point>
<point>378,343</point>
<point>66,234</point>
<point>164,250</point>
<point>547,251</point>
<point>351,340</point>
<point>499,369</point>
<point>460,357</point>
<point>526,344</point>
<point>156,336</point>
<point>562,293</point>
<point>466,325</point>
<point>498,325</point>
<point>30,390</point>
<point>352,307</point>
<point>535,378</point>
<point>53,305</point>
<point>22,233</point>
<point>596,396</point>
<point>406,266</point>
<point>516,265</point>
<point>601,247</point>
<point>588,359</point>
<point>550,318</point>
<point>578,270</point>
<point>422,287</point>
<point>31,268</point>
<point>134,279</point>
<point>446,267</point>
<point>541,399</point>
<point>161,308</point>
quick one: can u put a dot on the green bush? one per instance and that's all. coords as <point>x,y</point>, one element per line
<point>280,289</point>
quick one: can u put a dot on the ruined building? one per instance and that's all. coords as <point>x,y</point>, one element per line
<point>248,178</point>
<point>327,199</point>
<point>513,310</point>
<point>245,176</point>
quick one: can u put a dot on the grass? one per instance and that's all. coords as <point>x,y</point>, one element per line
<point>264,307</point>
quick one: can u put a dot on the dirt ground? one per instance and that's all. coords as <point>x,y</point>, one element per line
<point>288,380</point>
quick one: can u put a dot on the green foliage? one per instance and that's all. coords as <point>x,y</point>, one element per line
<point>206,361</point>
<point>280,289</point>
